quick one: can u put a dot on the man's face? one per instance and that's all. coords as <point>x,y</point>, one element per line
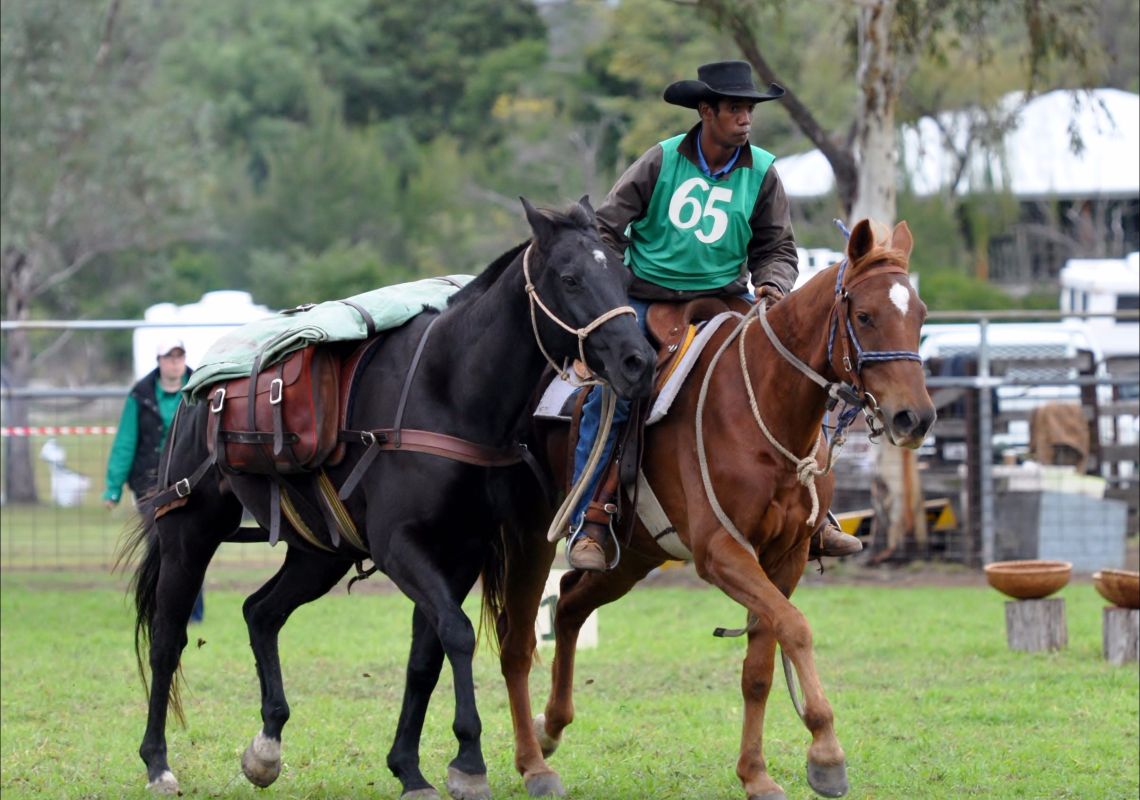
<point>172,365</point>
<point>728,121</point>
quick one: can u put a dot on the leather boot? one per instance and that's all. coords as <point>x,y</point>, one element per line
<point>830,541</point>
<point>587,548</point>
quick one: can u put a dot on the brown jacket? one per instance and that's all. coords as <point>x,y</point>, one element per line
<point>771,257</point>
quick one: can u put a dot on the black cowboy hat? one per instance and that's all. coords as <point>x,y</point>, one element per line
<point>720,79</point>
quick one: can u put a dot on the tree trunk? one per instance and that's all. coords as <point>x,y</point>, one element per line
<point>897,490</point>
<point>1034,626</point>
<point>19,477</point>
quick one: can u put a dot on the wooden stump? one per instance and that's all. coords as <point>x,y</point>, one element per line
<point>1121,635</point>
<point>1035,625</point>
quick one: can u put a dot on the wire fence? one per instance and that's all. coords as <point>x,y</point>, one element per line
<point>1003,392</point>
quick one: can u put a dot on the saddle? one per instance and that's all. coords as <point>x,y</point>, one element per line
<point>290,423</point>
<point>671,326</point>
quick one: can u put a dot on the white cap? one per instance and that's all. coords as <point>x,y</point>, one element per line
<point>167,344</point>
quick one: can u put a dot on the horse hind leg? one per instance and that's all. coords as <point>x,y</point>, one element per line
<point>304,576</point>
<point>167,581</point>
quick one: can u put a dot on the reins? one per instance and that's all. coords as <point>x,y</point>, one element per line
<point>853,395</point>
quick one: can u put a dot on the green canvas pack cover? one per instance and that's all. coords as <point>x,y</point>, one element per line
<point>331,321</point>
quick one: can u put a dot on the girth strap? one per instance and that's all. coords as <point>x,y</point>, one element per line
<point>438,444</point>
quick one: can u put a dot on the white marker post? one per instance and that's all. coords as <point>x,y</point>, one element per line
<point>544,622</point>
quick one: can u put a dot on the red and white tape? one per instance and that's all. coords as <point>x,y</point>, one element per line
<point>58,430</point>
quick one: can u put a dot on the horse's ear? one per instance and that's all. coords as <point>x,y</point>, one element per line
<point>584,202</point>
<point>861,241</point>
<point>901,239</point>
<point>542,227</point>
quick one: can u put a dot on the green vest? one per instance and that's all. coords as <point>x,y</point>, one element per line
<point>695,234</point>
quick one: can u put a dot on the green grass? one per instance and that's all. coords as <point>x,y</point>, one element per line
<point>929,701</point>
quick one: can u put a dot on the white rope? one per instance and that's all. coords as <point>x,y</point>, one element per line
<point>559,527</point>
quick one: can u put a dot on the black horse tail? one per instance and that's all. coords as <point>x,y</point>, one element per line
<point>494,580</point>
<point>144,585</point>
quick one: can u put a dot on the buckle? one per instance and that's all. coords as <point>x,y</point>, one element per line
<point>276,391</point>
<point>220,394</point>
<point>367,438</point>
<point>182,488</point>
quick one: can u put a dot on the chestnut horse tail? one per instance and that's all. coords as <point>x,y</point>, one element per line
<point>144,584</point>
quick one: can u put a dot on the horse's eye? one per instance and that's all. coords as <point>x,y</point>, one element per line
<point>570,281</point>
<point>863,317</point>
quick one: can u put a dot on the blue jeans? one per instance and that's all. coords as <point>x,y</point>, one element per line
<point>199,609</point>
<point>591,421</point>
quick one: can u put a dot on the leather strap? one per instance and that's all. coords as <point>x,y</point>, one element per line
<point>369,323</point>
<point>406,389</point>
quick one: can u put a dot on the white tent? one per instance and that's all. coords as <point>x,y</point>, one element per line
<point>1034,159</point>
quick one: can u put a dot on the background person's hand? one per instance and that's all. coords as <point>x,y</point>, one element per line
<point>110,504</point>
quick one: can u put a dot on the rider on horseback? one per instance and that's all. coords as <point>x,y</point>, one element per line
<point>695,215</point>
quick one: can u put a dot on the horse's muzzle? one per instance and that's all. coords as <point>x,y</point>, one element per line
<point>636,374</point>
<point>908,427</point>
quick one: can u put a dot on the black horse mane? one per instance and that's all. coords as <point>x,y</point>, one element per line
<point>575,217</point>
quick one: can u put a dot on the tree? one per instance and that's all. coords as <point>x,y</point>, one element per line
<point>891,38</point>
<point>94,163</point>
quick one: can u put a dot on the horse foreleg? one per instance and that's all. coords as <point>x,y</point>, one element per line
<point>303,577</point>
<point>437,594</point>
<point>581,593</point>
<point>425,660</point>
<point>522,593</point>
<point>755,685</point>
<point>724,563</point>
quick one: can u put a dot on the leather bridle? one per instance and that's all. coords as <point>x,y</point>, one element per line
<point>581,333</point>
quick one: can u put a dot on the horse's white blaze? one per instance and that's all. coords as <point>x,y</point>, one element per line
<point>900,296</point>
<point>600,257</point>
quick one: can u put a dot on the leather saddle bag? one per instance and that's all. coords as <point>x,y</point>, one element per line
<point>290,422</point>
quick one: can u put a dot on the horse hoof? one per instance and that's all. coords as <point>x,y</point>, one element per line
<point>462,786</point>
<point>547,742</point>
<point>421,794</point>
<point>165,783</point>
<point>545,784</point>
<point>261,761</point>
<point>828,780</point>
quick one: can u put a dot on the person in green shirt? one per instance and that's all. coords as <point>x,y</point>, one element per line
<point>143,426</point>
<point>701,213</point>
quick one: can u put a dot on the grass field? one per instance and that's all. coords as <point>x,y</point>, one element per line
<point>929,701</point>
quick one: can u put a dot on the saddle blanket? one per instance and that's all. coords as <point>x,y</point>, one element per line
<point>556,394</point>
<point>232,356</point>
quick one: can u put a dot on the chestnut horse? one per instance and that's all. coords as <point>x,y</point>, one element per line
<point>736,467</point>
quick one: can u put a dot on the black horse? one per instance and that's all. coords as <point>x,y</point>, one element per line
<point>428,521</point>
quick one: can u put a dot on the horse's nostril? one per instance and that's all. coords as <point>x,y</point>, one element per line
<point>905,421</point>
<point>634,364</point>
